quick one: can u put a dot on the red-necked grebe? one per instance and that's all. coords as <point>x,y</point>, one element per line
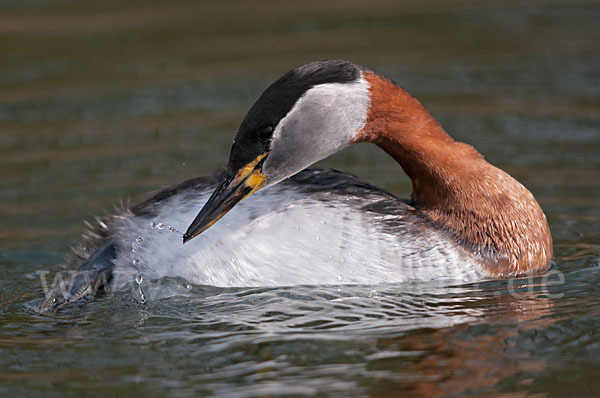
<point>466,220</point>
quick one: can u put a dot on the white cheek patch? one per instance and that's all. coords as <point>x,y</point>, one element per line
<point>323,121</point>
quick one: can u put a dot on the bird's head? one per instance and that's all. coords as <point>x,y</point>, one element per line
<point>308,114</point>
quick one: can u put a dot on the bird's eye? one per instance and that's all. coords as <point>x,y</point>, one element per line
<point>265,133</point>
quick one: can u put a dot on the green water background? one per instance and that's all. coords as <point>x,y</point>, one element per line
<point>103,102</point>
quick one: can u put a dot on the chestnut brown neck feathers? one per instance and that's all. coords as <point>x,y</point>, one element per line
<point>485,209</point>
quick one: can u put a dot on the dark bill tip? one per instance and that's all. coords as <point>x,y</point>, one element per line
<point>231,192</point>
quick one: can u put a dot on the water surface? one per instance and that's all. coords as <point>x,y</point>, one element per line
<point>102,103</point>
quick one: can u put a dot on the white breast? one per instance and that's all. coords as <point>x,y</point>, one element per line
<point>285,236</point>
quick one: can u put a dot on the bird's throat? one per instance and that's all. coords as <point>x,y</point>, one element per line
<point>483,207</point>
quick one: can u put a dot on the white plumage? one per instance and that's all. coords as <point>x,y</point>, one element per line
<point>287,236</point>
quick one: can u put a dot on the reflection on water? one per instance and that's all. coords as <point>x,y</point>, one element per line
<point>424,339</point>
<point>107,101</point>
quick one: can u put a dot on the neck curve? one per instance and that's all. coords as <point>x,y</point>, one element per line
<point>485,209</point>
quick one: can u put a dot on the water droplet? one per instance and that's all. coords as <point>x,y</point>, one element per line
<point>297,228</point>
<point>54,300</point>
<point>173,229</point>
<point>188,287</point>
<point>153,224</point>
<point>160,225</point>
<point>138,280</point>
<point>318,238</point>
<point>135,261</point>
<point>340,278</point>
<point>139,239</point>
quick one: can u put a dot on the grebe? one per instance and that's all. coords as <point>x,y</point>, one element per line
<point>466,220</point>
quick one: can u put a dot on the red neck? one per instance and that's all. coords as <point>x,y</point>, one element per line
<point>486,210</point>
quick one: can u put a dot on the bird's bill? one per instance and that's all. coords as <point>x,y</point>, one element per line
<point>233,190</point>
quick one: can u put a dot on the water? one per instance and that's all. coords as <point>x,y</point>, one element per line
<point>102,103</point>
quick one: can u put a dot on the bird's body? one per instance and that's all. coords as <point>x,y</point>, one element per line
<point>466,219</point>
<point>318,227</point>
